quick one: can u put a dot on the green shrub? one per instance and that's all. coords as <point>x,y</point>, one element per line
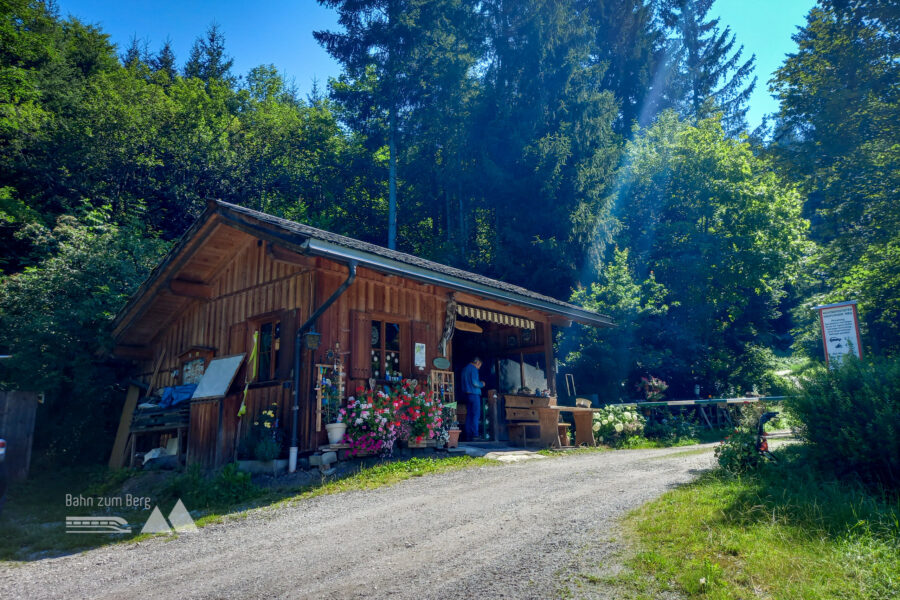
<point>737,453</point>
<point>850,418</point>
<point>614,425</point>
<point>228,487</point>
<point>267,449</point>
<point>671,428</point>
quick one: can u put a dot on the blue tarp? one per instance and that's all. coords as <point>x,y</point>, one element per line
<point>176,395</point>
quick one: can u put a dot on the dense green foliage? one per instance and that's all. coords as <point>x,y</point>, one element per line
<point>715,236</point>
<point>57,315</point>
<point>850,418</point>
<point>837,136</point>
<point>589,150</point>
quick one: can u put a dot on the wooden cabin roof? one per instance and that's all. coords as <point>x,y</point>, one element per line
<point>223,228</point>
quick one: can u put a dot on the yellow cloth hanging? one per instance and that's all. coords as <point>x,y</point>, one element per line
<point>251,373</point>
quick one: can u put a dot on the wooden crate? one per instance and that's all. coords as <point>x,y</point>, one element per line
<point>522,414</point>
<point>161,419</point>
<point>514,401</point>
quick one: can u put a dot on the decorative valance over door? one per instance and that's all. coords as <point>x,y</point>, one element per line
<point>481,314</point>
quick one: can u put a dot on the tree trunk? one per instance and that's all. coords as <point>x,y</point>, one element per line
<point>392,183</point>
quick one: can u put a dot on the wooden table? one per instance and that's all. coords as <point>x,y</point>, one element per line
<point>584,421</point>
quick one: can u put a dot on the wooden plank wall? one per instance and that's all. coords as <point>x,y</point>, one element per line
<point>252,284</point>
<point>375,293</point>
<point>17,415</point>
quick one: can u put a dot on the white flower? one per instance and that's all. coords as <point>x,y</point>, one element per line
<point>359,421</point>
<point>596,427</point>
<point>606,421</point>
<point>619,427</point>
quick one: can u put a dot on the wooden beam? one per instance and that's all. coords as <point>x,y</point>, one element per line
<point>133,352</point>
<point>466,326</point>
<point>281,254</point>
<point>191,289</point>
<point>170,266</point>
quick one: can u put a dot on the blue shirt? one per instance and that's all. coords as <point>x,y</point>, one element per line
<point>471,382</point>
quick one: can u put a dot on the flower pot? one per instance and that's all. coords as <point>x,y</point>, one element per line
<point>336,432</point>
<point>412,443</point>
<point>453,442</point>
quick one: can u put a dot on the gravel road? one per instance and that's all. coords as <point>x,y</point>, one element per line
<point>508,531</point>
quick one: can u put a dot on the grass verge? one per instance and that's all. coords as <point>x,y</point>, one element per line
<point>782,533</point>
<point>32,525</point>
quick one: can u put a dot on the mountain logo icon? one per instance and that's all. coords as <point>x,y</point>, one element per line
<point>180,521</point>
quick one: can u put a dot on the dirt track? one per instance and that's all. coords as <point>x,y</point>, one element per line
<point>507,531</point>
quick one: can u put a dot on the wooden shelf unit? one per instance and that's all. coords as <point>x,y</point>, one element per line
<point>328,372</point>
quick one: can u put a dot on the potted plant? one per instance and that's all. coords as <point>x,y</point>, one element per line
<point>372,425</point>
<point>451,425</point>
<point>262,445</point>
<point>331,406</point>
<point>420,413</point>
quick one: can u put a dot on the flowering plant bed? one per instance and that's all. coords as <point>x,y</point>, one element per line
<point>418,413</point>
<point>614,425</point>
<point>377,419</point>
<point>370,423</point>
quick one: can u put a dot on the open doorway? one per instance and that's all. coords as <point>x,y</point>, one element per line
<point>514,361</point>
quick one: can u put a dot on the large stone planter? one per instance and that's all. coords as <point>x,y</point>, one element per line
<point>336,432</point>
<point>264,467</point>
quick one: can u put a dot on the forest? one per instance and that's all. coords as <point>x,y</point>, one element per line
<point>595,151</point>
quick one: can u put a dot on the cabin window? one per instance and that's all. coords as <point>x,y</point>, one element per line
<point>269,349</point>
<point>385,349</point>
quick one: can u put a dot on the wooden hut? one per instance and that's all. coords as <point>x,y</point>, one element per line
<point>379,312</point>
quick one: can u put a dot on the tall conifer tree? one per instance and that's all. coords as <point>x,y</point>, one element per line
<point>710,73</point>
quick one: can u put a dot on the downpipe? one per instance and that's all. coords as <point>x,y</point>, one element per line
<point>298,361</point>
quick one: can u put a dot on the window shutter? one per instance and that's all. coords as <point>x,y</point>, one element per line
<point>289,324</point>
<point>360,344</point>
<point>406,359</point>
<point>421,334</point>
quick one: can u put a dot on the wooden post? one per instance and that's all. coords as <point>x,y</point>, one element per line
<point>17,416</point>
<point>117,457</point>
<point>548,357</point>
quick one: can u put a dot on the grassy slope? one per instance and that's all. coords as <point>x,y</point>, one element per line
<point>783,534</point>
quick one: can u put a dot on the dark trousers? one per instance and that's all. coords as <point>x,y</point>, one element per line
<point>473,415</point>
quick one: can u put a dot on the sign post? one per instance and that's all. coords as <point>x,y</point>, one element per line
<point>840,331</point>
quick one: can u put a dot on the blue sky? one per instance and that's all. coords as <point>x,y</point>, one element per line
<point>280,32</point>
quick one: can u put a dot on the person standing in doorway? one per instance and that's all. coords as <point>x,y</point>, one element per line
<point>472,384</point>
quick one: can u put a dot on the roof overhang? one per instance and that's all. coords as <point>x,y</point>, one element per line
<point>163,279</point>
<point>326,249</point>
